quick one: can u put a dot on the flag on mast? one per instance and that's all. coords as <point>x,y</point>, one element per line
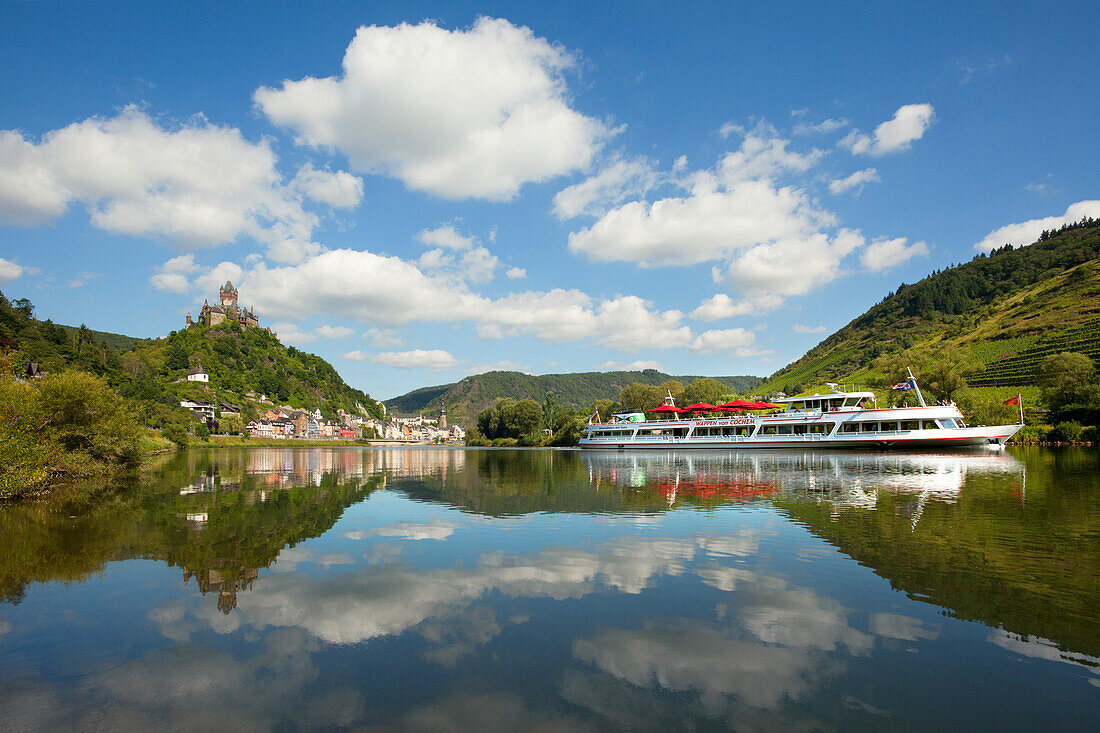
<point>1013,400</point>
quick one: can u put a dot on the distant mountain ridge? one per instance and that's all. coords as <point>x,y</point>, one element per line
<point>1005,311</point>
<point>465,398</point>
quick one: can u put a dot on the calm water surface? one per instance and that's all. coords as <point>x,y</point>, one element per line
<point>451,589</point>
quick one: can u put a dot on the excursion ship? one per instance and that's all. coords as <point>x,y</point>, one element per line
<point>838,419</point>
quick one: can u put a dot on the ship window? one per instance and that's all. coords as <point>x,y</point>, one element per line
<point>849,427</point>
<point>679,432</point>
<point>868,427</point>
<point>799,429</point>
<point>947,424</point>
<point>930,425</point>
<point>785,429</point>
<point>910,424</point>
<point>889,426</point>
<point>768,430</point>
<point>817,428</point>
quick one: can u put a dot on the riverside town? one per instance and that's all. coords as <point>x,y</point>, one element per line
<point>530,367</point>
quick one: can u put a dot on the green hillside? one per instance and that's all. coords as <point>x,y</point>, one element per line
<point>152,371</point>
<point>1003,313</point>
<point>466,398</point>
<point>54,346</point>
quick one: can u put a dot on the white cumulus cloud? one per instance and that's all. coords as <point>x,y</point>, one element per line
<point>789,266</point>
<point>383,338</point>
<point>882,254</point>
<point>197,185</point>
<point>799,328</point>
<point>373,289</point>
<point>895,135</point>
<point>720,306</point>
<point>472,113</point>
<point>857,180</point>
<point>9,271</point>
<point>434,359</point>
<point>172,275</point>
<point>445,236</point>
<point>1027,232</point>
<point>736,212</point>
<point>736,340</point>
<point>516,273</point>
<point>333,332</point>
<point>340,190</point>
<point>615,183</point>
<point>292,333</point>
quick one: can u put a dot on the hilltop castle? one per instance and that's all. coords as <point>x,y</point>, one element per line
<point>212,315</point>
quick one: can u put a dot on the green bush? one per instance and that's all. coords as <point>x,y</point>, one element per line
<point>176,434</point>
<point>1066,432</point>
<point>1032,434</point>
<point>85,416</point>
<point>66,425</point>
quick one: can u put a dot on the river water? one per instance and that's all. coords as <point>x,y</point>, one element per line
<point>463,589</point>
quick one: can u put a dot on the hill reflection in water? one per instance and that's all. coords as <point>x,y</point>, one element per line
<point>423,589</point>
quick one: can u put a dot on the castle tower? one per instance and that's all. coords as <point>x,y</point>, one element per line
<point>442,416</point>
<point>229,295</point>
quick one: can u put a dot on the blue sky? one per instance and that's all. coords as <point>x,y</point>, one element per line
<point>420,191</point>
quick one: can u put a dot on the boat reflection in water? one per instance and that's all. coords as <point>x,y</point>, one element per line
<point>841,479</point>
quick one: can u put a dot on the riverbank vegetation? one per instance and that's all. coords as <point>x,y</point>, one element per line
<point>64,426</point>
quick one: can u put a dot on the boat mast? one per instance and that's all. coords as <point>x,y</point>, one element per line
<point>913,381</point>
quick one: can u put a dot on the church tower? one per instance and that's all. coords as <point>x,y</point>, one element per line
<point>442,416</point>
<point>229,295</point>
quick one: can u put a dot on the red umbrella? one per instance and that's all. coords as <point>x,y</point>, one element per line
<point>666,408</point>
<point>736,405</point>
<point>700,407</point>
<point>764,406</point>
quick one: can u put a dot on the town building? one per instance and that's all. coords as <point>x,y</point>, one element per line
<point>198,374</point>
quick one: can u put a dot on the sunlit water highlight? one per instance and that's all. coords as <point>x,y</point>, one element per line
<point>451,589</point>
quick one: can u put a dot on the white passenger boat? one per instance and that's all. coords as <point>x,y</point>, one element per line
<point>838,419</point>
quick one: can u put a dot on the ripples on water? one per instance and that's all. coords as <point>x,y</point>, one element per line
<point>441,589</point>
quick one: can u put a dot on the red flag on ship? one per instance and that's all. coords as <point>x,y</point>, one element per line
<point>1013,400</point>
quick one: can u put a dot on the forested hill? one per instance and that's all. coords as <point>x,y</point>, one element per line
<point>152,371</point>
<point>1003,312</point>
<point>466,398</point>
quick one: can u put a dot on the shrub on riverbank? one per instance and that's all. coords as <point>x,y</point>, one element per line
<point>66,425</point>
